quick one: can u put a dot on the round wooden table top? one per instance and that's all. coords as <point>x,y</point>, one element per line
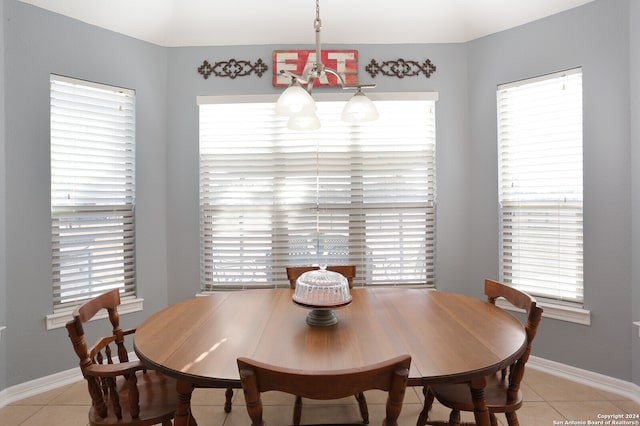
<point>449,336</point>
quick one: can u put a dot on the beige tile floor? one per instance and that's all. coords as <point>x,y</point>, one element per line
<point>549,400</point>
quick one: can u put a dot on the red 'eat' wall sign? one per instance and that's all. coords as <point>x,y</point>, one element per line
<point>345,62</point>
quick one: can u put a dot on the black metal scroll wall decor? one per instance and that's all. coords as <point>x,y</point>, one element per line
<point>233,68</point>
<point>400,68</point>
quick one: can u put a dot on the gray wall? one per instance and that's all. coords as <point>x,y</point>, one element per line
<point>185,84</point>
<point>635,183</point>
<point>3,253</point>
<point>38,43</point>
<point>595,37</point>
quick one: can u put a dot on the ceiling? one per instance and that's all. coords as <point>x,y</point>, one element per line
<point>245,22</point>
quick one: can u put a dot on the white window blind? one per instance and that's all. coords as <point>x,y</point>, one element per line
<point>540,185</point>
<point>345,194</point>
<point>92,190</point>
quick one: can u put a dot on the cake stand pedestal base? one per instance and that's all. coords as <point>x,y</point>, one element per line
<point>322,317</point>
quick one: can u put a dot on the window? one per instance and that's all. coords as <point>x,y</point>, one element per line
<point>540,185</point>
<point>92,190</point>
<point>344,194</point>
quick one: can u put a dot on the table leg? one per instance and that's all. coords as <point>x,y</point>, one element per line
<point>480,411</point>
<point>183,415</point>
<point>228,396</point>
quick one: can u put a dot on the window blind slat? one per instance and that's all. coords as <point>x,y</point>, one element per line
<point>271,197</point>
<point>92,190</point>
<point>540,186</point>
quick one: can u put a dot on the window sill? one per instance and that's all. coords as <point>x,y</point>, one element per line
<point>59,319</point>
<point>559,312</point>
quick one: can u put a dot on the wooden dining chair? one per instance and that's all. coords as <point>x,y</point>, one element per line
<point>294,272</point>
<point>349,272</point>
<point>389,376</point>
<point>502,391</point>
<point>122,392</point>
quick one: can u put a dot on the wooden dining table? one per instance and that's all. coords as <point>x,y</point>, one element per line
<point>450,337</point>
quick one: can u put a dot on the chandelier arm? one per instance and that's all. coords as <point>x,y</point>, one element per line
<point>293,77</point>
<point>338,76</point>
<point>302,80</point>
<point>358,86</point>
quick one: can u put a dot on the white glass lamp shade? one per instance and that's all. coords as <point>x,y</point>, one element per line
<point>295,101</point>
<point>359,109</point>
<point>304,122</point>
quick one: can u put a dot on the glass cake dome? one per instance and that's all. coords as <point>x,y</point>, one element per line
<point>322,291</point>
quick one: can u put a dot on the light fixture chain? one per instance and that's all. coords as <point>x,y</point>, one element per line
<point>318,70</point>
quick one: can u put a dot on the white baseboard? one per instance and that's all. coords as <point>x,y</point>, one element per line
<point>37,386</point>
<point>585,377</point>
<point>45,384</point>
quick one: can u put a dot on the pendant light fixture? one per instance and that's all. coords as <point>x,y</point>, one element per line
<point>297,103</point>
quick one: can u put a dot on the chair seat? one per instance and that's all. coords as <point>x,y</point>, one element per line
<point>157,401</point>
<point>458,396</point>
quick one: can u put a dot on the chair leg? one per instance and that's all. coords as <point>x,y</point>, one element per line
<point>428,403</point>
<point>512,418</point>
<point>297,411</point>
<point>454,418</point>
<point>228,396</point>
<point>493,420</point>
<point>364,411</point>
